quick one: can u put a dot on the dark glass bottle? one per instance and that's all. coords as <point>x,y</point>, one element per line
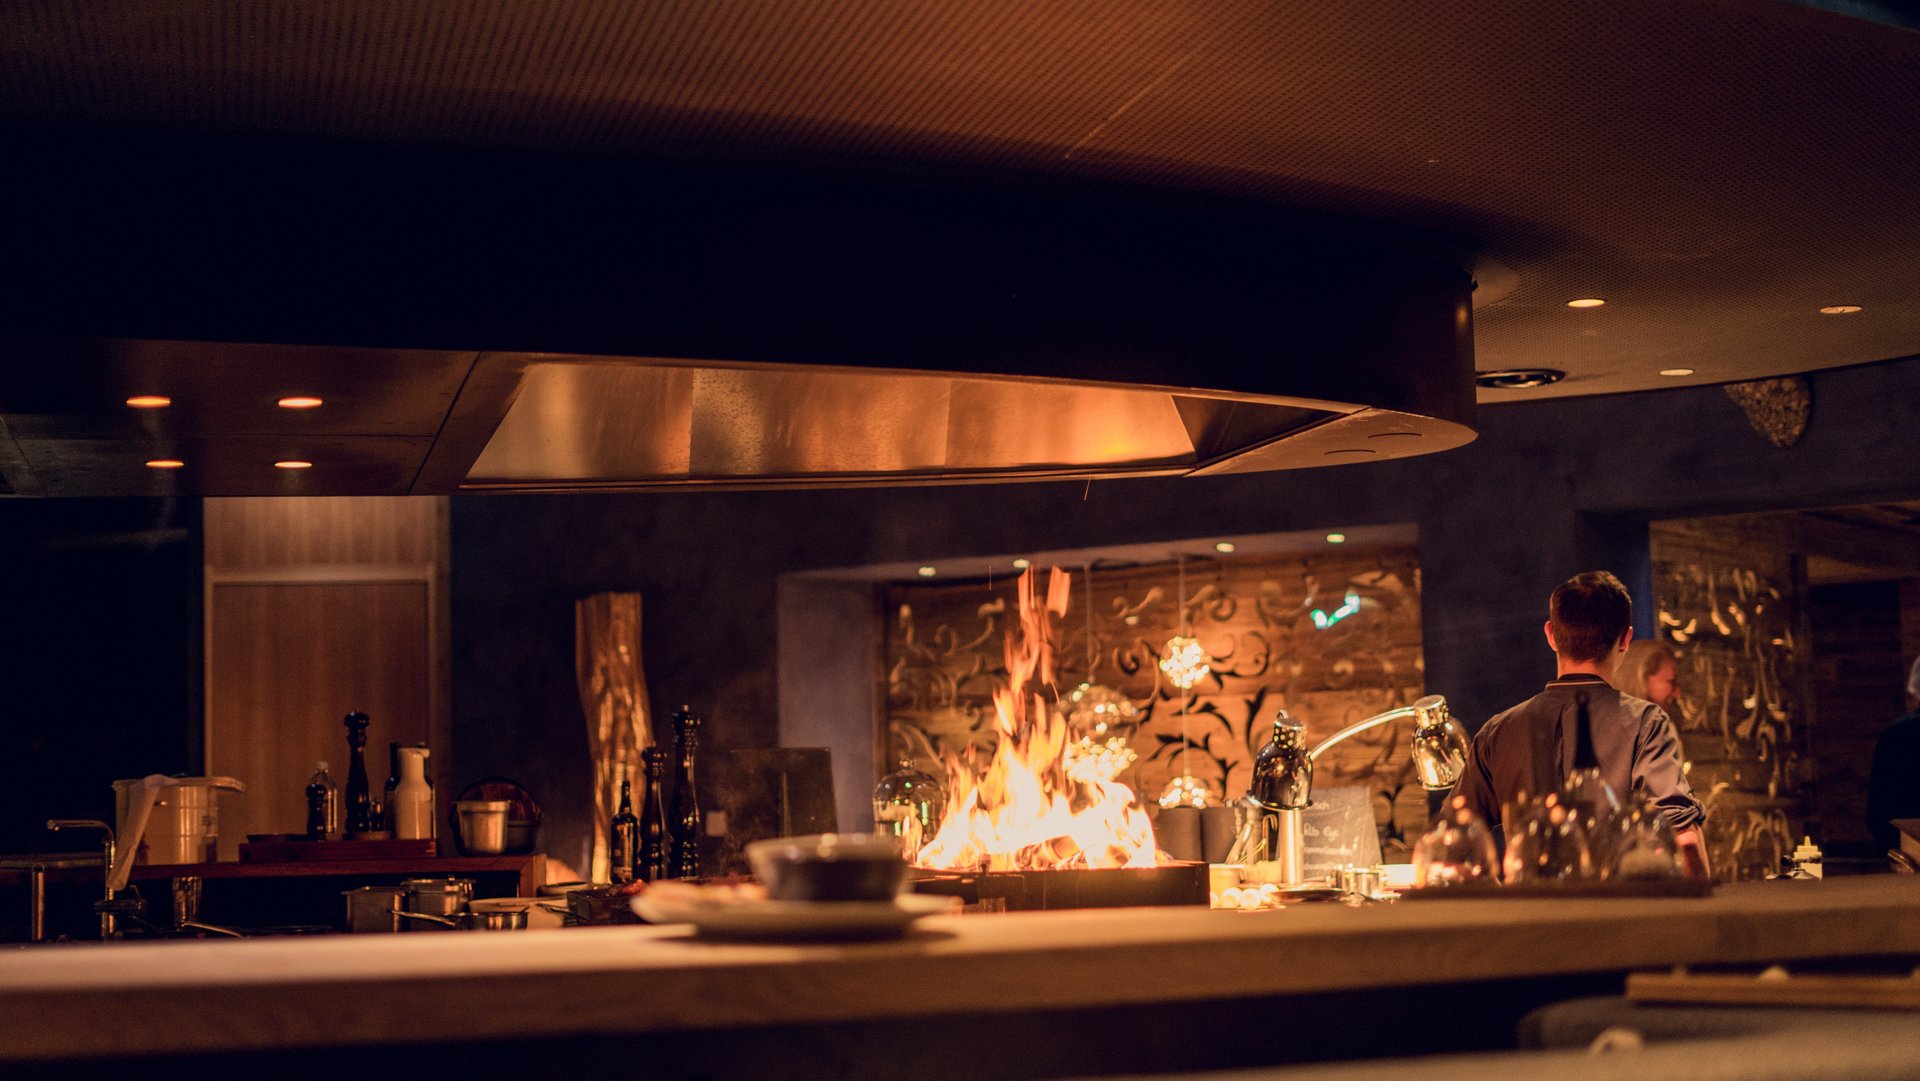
<point>653,817</point>
<point>685,819</point>
<point>323,805</point>
<point>393,782</point>
<point>623,836</point>
<point>359,796</point>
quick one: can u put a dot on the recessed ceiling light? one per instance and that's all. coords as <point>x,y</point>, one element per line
<point>292,463</point>
<point>1840,309</point>
<point>1518,378</point>
<point>1223,546</point>
<point>165,463</point>
<point>1585,302</point>
<point>1020,564</point>
<point>301,402</point>
<point>928,572</point>
<point>1336,538</point>
<point>149,401</point>
<point>1675,373</point>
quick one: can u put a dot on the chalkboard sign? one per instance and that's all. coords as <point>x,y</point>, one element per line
<point>1339,829</point>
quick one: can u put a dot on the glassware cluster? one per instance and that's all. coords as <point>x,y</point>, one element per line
<point>1581,832</point>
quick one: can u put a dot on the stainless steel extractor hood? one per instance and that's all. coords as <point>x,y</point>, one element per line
<point>640,327</point>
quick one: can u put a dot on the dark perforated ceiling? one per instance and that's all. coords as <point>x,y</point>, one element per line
<point>1717,171</point>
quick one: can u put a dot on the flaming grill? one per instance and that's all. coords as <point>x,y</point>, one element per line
<point>1172,883</point>
<point>1025,810</point>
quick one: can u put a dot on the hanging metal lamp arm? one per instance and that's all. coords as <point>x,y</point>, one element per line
<point>1400,713</point>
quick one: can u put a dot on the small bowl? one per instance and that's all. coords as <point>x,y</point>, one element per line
<point>829,867</point>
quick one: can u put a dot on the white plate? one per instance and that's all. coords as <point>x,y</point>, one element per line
<point>794,919</point>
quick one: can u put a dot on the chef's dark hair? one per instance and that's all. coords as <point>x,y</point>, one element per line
<point>1589,613</point>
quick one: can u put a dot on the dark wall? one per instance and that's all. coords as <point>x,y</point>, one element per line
<point>1549,489</point>
<point>1859,670</point>
<point>100,629</point>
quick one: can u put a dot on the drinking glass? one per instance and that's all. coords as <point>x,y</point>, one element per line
<point>1545,842</point>
<point>1458,850</point>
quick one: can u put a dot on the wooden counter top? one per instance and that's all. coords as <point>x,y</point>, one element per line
<point>89,1000</point>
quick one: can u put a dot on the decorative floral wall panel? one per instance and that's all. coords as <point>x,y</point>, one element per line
<point>1733,613</point>
<point>1332,638</point>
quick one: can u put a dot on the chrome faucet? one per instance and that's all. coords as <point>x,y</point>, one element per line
<point>1271,828</point>
<point>108,925</point>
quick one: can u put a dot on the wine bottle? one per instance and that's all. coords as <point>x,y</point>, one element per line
<point>323,805</point>
<point>685,820</point>
<point>386,794</point>
<point>359,796</point>
<point>623,836</point>
<point>653,817</point>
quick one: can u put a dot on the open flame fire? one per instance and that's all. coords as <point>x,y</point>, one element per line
<point>1026,810</point>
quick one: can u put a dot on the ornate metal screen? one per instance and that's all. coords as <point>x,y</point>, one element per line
<point>1332,638</point>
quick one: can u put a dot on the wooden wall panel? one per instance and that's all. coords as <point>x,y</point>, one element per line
<point>288,662</point>
<point>316,606</point>
<point>256,533</point>
<point>1254,616</point>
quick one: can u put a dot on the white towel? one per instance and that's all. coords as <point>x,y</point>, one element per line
<point>133,829</point>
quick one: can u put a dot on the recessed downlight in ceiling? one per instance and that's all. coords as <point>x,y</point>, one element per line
<point>1840,309</point>
<point>1223,547</point>
<point>301,402</point>
<point>149,401</point>
<point>165,463</point>
<point>1519,378</point>
<point>1336,538</point>
<point>928,572</point>
<point>1586,302</point>
<point>292,463</point>
<point>1675,373</point>
<point>1022,564</point>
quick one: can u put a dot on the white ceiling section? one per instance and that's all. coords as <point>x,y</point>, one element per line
<point>1716,171</point>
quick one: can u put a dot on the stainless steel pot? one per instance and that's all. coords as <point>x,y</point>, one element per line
<point>506,919</point>
<point>438,896</point>
<point>374,908</point>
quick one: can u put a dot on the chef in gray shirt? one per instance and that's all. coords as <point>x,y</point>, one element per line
<point>1530,747</point>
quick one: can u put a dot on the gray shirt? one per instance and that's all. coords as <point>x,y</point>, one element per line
<point>1529,748</point>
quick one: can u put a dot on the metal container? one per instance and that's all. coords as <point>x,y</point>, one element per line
<point>178,822</point>
<point>483,826</point>
<point>1360,881</point>
<point>438,896</point>
<point>374,908</point>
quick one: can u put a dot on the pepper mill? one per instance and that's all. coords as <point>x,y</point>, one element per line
<point>359,794</point>
<point>653,817</point>
<point>685,822</point>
